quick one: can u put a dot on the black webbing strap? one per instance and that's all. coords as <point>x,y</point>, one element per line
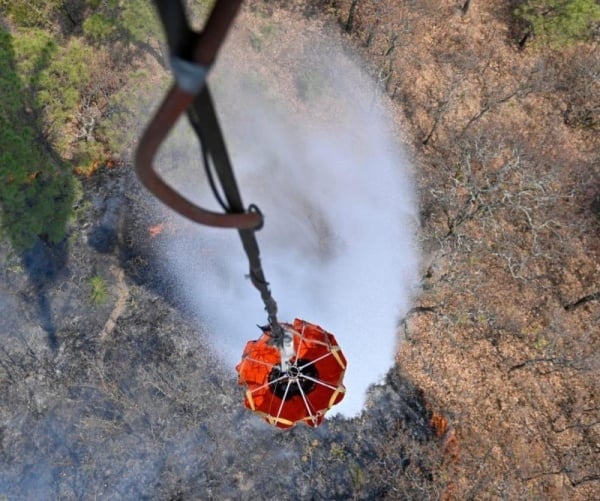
<point>204,121</point>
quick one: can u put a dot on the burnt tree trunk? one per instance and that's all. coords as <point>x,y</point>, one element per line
<point>350,21</point>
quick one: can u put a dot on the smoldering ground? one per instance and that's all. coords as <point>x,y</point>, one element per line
<point>314,147</point>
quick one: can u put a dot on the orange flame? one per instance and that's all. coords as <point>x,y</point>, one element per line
<point>156,230</point>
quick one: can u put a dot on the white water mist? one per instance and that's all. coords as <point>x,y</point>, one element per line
<point>338,245</point>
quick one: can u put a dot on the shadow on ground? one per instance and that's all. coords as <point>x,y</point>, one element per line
<point>36,188</point>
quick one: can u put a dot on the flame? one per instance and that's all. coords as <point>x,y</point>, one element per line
<point>445,432</point>
<point>156,230</point>
<point>94,166</point>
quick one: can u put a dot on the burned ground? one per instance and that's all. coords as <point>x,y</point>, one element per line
<point>129,402</point>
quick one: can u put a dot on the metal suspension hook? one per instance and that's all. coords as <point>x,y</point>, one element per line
<point>253,209</point>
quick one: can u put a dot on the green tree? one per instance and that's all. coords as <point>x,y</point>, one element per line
<point>560,22</point>
<point>36,192</point>
<point>30,13</point>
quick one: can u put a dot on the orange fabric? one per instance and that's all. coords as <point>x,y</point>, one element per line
<point>311,344</point>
